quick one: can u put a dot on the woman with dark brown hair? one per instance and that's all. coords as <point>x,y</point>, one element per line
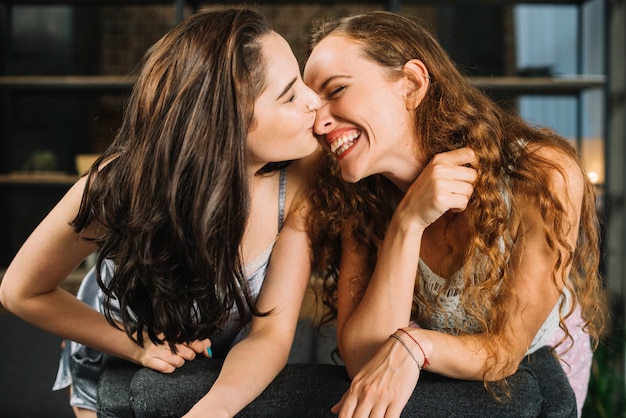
<point>469,238</point>
<point>200,189</point>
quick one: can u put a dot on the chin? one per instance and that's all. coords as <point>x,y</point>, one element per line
<point>350,170</point>
<point>350,177</point>
<point>314,146</point>
<point>308,151</point>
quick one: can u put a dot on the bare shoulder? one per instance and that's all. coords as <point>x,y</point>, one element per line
<point>565,172</point>
<point>564,177</point>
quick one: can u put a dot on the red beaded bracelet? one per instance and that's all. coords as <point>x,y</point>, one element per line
<point>426,362</point>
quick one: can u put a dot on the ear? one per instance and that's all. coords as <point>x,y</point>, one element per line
<point>417,82</point>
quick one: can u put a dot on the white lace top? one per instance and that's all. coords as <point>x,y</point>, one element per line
<point>448,314</point>
<point>450,317</point>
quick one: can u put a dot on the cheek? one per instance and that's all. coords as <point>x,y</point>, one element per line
<point>289,121</point>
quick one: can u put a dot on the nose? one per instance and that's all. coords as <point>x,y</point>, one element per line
<point>317,105</point>
<point>314,102</point>
<point>323,120</point>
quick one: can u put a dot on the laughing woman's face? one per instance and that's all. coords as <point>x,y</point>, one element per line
<point>363,120</point>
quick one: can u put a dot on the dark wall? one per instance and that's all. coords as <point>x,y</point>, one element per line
<point>27,372</point>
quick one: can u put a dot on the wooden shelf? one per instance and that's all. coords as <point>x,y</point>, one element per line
<point>89,2</point>
<point>499,2</point>
<point>519,85</point>
<point>70,82</point>
<point>45,178</point>
<point>541,85</point>
<point>262,2</point>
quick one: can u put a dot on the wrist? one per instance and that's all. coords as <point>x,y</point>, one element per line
<point>411,218</point>
<point>420,364</point>
<point>402,224</point>
<point>128,349</point>
<point>423,348</point>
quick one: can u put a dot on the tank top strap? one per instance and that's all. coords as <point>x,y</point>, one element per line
<point>281,197</point>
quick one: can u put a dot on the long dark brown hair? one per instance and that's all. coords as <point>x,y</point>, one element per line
<point>454,114</point>
<point>174,196</point>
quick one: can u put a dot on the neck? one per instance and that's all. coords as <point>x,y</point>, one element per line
<point>254,167</point>
<point>404,174</point>
<point>405,163</point>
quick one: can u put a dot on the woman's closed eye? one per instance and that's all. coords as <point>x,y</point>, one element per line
<point>335,92</point>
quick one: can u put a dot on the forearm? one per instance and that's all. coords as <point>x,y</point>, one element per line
<point>387,300</point>
<point>60,313</point>
<point>253,363</point>
<point>461,357</point>
<point>248,369</point>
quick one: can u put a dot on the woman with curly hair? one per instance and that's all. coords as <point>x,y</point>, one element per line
<point>185,210</point>
<point>461,238</point>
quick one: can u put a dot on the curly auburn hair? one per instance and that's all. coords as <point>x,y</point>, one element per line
<point>455,114</point>
<point>174,195</point>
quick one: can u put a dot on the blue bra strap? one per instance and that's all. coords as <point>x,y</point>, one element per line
<point>281,198</point>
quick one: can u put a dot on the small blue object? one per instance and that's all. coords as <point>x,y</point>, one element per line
<point>209,352</point>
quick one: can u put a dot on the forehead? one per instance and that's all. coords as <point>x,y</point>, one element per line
<point>333,46</point>
<point>277,52</point>
<point>333,54</point>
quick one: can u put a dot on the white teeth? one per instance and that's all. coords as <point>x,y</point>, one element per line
<point>344,142</point>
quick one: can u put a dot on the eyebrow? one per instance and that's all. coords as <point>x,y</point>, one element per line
<point>286,89</point>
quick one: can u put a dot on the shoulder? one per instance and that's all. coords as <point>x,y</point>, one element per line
<point>563,172</point>
<point>557,191</point>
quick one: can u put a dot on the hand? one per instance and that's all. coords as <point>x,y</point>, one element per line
<point>200,412</point>
<point>446,183</point>
<point>161,358</point>
<point>383,386</point>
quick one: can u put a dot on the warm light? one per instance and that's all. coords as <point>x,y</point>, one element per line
<point>593,176</point>
<point>592,153</point>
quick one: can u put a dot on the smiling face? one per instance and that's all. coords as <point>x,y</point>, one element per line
<point>285,111</point>
<point>364,119</point>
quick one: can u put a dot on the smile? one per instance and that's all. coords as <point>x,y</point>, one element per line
<point>342,143</point>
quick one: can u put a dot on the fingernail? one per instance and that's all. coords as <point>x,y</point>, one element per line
<point>209,352</point>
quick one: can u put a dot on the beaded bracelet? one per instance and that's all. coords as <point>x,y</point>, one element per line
<point>426,362</point>
<point>407,349</point>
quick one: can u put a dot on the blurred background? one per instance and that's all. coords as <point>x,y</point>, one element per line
<point>66,68</point>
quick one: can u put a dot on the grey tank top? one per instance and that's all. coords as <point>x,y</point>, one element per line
<point>255,272</point>
<point>82,366</point>
<point>90,293</point>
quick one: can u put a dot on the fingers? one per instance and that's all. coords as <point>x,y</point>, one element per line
<point>351,407</point>
<point>382,387</point>
<point>452,178</point>
<point>364,405</point>
<point>163,364</point>
<point>460,165</point>
<point>162,358</point>
<point>339,405</point>
<point>201,347</point>
<point>189,351</point>
<point>462,157</point>
<point>347,405</point>
<point>445,184</point>
<point>458,195</point>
